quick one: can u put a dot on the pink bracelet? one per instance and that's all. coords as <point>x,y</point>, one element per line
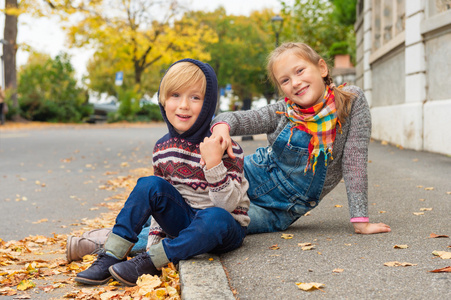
<point>360,220</point>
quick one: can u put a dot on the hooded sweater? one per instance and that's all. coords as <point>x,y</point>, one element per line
<point>176,158</point>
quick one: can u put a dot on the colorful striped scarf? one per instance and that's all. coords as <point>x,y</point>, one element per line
<point>320,121</point>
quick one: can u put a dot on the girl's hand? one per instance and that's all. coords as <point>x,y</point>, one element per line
<point>370,228</point>
<point>211,150</point>
<point>222,130</point>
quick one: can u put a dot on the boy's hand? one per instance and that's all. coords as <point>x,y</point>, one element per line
<point>212,149</point>
<point>370,228</point>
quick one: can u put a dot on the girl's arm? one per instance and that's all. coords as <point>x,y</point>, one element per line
<point>224,178</point>
<point>247,122</point>
<point>355,158</point>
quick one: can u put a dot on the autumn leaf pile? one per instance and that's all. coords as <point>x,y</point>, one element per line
<point>37,264</point>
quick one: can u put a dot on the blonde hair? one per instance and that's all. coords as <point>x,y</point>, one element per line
<point>180,76</point>
<point>343,99</point>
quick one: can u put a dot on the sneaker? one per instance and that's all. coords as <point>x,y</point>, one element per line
<point>98,272</point>
<point>127,272</point>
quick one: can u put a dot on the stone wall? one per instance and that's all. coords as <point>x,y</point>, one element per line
<point>404,67</point>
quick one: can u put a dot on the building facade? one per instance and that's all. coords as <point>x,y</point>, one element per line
<point>404,67</point>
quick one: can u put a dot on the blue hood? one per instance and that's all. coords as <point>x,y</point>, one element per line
<point>201,128</point>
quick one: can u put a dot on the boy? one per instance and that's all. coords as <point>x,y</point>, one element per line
<point>200,208</point>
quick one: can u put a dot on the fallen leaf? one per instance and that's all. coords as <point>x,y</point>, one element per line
<point>382,211</point>
<point>338,205</point>
<point>400,246</point>
<point>384,143</point>
<point>41,221</point>
<point>310,286</point>
<point>287,236</point>
<point>418,213</point>
<point>428,188</point>
<point>398,264</point>
<point>211,259</point>
<point>274,247</point>
<point>442,254</point>
<point>426,209</point>
<point>306,248</point>
<point>436,236</point>
<point>25,285</point>
<point>304,244</point>
<point>337,270</point>
<point>442,270</point>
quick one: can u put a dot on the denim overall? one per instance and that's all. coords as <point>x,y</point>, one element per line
<point>279,190</point>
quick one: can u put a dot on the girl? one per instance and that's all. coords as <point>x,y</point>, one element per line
<point>317,135</point>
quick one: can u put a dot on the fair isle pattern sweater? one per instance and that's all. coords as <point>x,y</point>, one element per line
<point>178,162</point>
<point>350,150</point>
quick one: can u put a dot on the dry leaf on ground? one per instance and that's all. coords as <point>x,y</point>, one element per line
<point>398,264</point>
<point>337,270</point>
<point>309,286</point>
<point>400,246</point>
<point>442,270</point>
<point>442,254</point>
<point>287,236</point>
<point>436,236</point>
<point>274,247</point>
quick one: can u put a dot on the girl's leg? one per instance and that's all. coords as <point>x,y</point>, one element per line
<point>212,230</point>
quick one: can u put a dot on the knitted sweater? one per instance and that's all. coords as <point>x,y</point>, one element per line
<point>350,149</point>
<point>176,158</point>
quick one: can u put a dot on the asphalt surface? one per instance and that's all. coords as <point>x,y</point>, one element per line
<point>54,173</point>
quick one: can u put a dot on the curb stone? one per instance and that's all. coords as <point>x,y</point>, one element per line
<point>204,279</point>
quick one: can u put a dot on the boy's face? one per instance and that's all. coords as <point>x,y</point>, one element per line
<point>183,107</point>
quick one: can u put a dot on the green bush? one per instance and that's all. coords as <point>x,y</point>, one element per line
<point>47,91</point>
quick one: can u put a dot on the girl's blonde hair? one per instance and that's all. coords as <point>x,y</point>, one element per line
<point>180,76</point>
<point>343,99</point>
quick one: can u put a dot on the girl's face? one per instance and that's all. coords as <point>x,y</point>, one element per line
<point>300,80</point>
<point>184,106</point>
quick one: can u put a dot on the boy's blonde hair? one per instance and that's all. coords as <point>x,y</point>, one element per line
<point>342,99</point>
<point>180,76</point>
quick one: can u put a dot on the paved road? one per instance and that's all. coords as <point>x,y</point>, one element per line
<point>397,182</point>
<point>72,162</point>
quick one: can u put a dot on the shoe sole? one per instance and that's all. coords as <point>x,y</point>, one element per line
<point>119,278</point>
<point>91,281</point>
<point>68,256</point>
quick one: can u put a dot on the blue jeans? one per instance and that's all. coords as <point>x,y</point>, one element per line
<point>190,231</point>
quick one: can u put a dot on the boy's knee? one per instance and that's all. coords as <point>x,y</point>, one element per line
<point>215,217</point>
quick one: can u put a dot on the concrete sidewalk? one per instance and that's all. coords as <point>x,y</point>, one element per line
<point>408,190</point>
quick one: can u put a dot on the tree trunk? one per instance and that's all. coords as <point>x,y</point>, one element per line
<point>9,52</point>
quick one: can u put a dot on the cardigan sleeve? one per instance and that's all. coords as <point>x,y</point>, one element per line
<point>355,158</point>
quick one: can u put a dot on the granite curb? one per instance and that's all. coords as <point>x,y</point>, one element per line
<point>203,277</point>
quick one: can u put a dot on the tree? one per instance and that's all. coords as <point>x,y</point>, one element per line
<point>239,55</point>
<point>48,90</point>
<point>10,48</point>
<point>136,35</point>
<point>320,24</point>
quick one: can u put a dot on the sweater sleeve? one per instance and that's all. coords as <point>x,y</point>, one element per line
<point>249,122</point>
<point>355,158</point>
<point>224,180</point>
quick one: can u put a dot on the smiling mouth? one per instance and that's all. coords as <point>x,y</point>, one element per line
<point>183,117</point>
<point>302,91</point>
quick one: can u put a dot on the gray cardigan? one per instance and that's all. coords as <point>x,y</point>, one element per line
<point>350,151</point>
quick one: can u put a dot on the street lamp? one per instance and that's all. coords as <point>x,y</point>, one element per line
<point>277,23</point>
